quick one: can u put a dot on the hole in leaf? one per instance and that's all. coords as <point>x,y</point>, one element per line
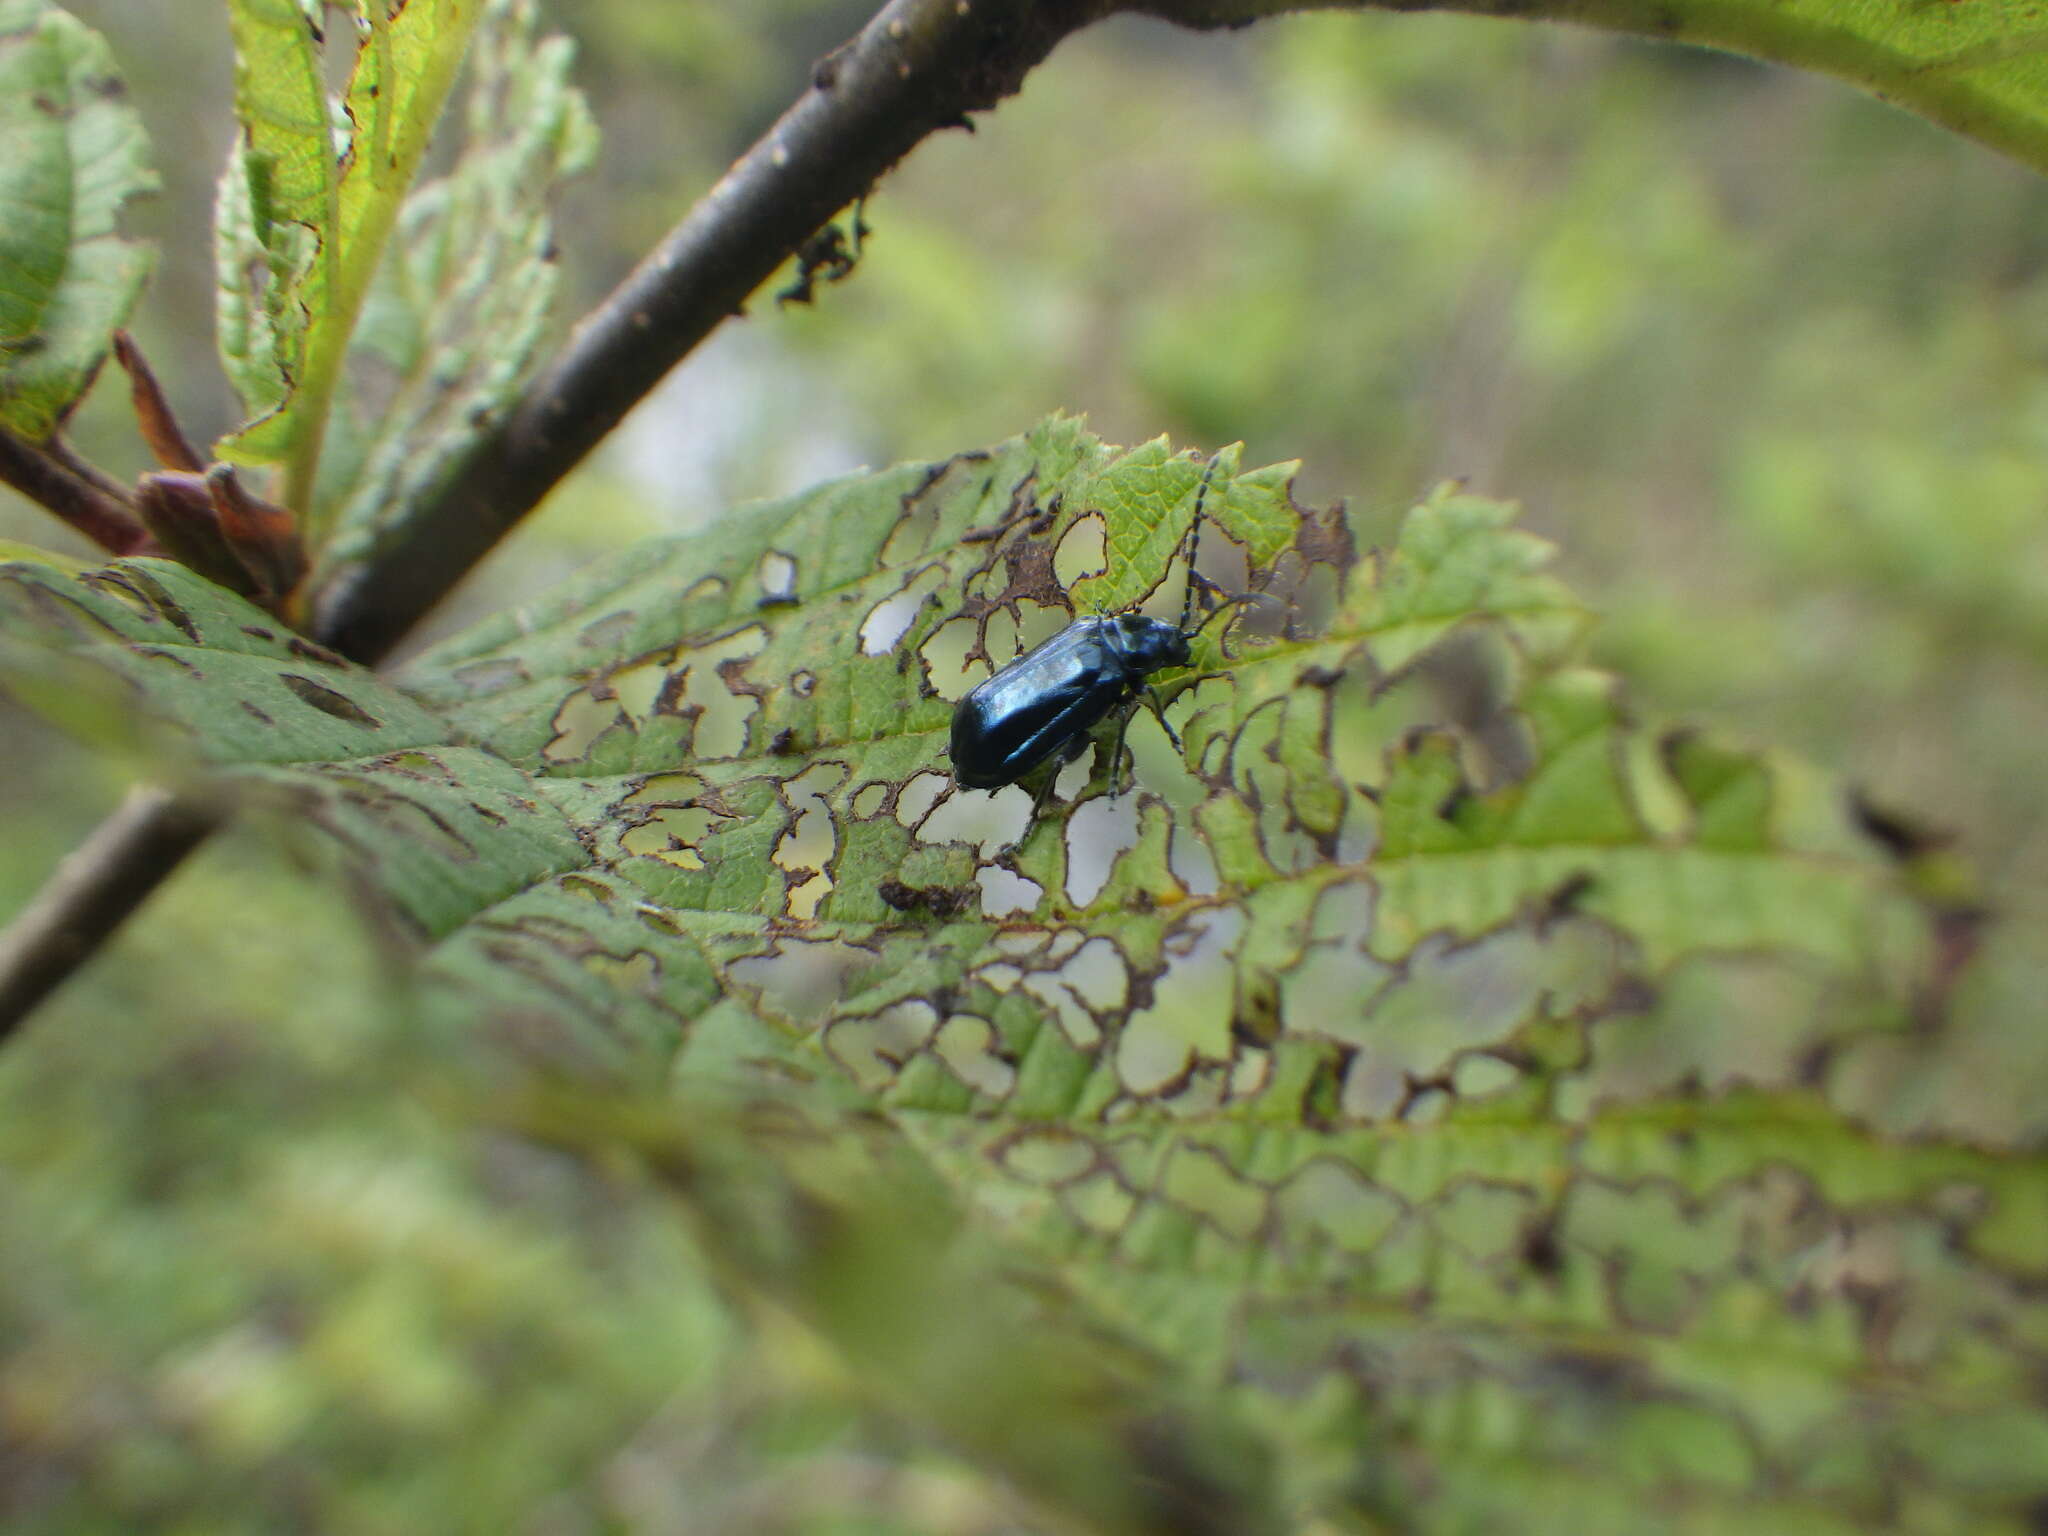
<point>724,715</point>
<point>802,978</point>
<point>1048,1157</point>
<point>1446,999</point>
<point>777,575</point>
<point>991,819</point>
<point>999,637</point>
<point>944,654</point>
<point>638,689</point>
<point>873,1049</point>
<point>811,839</point>
<point>1190,862</point>
<point>1080,1026</point>
<point>1478,1075</point>
<point>967,1044</point>
<point>1427,1107</point>
<point>1098,833</point>
<point>1193,1002</point>
<point>1100,1202</point>
<point>1003,892</point>
<point>1036,624</point>
<point>886,622</point>
<point>580,720</point>
<point>671,835</point>
<point>1338,1202</point>
<point>890,619</point>
<point>1250,1074</point>
<point>1098,975</point>
<point>918,797</point>
<point>1083,550</point>
<point>803,901</point>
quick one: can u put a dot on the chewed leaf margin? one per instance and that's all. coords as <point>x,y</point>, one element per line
<point>300,227</point>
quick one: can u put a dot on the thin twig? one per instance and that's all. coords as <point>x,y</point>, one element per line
<point>918,67</point>
<point>79,501</point>
<point>97,885</point>
<point>64,456</point>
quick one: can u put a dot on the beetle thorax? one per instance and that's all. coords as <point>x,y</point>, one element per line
<point>1146,645</point>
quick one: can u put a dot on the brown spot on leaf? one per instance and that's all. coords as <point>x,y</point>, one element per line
<point>1031,574</point>
<point>1564,900</point>
<point>942,901</point>
<point>1325,537</point>
<point>1601,1376</point>
<point>1901,836</point>
<point>327,701</point>
<point>1023,504</point>
<point>490,676</point>
<point>157,653</point>
<point>307,650</point>
<point>148,597</point>
<point>1541,1253</point>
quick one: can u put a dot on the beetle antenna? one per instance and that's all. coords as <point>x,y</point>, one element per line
<point>1187,601</point>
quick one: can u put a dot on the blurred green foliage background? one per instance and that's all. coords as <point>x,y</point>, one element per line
<point>1769,361</point>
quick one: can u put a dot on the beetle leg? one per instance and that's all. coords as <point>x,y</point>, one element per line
<point>1053,770</point>
<point>1117,766</point>
<point>1037,804</point>
<point>1116,755</point>
<point>1159,713</point>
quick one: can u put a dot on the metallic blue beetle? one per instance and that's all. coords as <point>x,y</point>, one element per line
<point>1041,707</point>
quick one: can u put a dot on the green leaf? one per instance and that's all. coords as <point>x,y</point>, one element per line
<point>72,152</point>
<point>309,198</point>
<point>1979,67</point>
<point>462,299</point>
<point>197,671</point>
<point>1519,1116</point>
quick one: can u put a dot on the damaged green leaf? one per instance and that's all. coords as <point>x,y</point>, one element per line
<point>1516,1113</point>
<point>310,195</point>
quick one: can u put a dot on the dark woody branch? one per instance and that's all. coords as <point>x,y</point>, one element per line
<point>918,67</point>
<point>99,883</point>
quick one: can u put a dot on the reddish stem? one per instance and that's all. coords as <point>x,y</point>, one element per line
<point>43,478</point>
